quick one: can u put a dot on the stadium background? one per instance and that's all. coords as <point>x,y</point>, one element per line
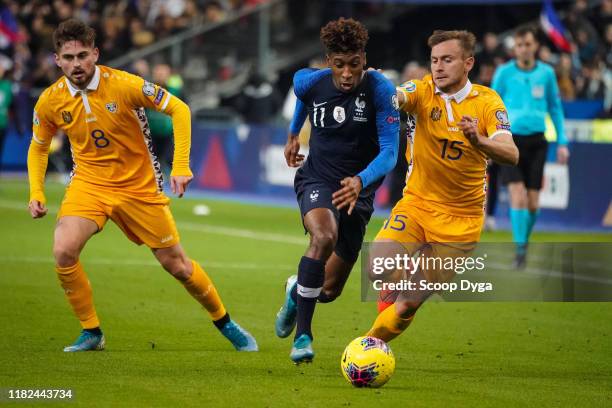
<point>232,61</point>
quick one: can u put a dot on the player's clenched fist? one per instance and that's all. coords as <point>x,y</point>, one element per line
<point>37,209</point>
<point>469,127</point>
<point>292,151</point>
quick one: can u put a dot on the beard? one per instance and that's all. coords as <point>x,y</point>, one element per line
<point>80,78</point>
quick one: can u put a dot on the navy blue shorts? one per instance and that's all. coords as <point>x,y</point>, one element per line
<point>532,157</point>
<point>313,194</point>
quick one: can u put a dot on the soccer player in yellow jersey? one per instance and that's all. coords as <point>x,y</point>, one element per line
<point>458,126</point>
<point>115,175</point>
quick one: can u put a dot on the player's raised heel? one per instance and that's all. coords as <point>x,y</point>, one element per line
<point>87,341</point>
<point>241,339</point>
<point>285,318</point>
<point>302,352</point>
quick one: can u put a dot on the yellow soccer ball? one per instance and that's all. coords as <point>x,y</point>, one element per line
<point>367,362</point>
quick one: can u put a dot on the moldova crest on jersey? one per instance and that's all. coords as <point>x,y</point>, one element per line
<point>436,114</point>
<point>67,116</point>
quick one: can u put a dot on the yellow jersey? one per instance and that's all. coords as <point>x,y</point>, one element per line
<point>446,173</point>
<point>108,132</point>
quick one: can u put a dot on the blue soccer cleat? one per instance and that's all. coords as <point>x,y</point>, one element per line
<point>285,318</point>
<point>87,341</point>
<point>302,352</point>
<point>241,339</point>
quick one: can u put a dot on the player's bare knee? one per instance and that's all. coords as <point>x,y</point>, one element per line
<point>177,269</point>
<point>177,265</point>
<point>322,243</point>
<point>65,254</point>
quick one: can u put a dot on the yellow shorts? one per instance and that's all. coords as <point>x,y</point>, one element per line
<point>413,223</point>
<point>144,219</point>
<point>437,234</point>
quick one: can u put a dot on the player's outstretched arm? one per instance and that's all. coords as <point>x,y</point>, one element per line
<point>500,149</point>
<point>38,155</point>
<point>181,174</point>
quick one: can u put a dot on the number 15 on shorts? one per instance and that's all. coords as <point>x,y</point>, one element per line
<point>396,223</point>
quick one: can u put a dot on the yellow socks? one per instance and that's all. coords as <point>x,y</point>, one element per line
<point>202,289</point>
<point>388,325</point>
<point>78,292</point>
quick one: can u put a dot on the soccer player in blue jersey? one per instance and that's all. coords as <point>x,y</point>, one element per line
<point>353,144</point>
<point>529,90</point>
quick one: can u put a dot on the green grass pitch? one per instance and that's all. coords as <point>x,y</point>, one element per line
<point>163,351</point>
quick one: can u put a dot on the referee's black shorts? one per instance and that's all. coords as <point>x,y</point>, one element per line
<point>532,156</point>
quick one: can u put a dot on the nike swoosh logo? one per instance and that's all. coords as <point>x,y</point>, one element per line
<point>318,104</point>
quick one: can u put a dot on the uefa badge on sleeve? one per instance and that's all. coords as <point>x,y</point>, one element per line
<point>502,117</point>
<point>409,87</point>
<point>148,89</point>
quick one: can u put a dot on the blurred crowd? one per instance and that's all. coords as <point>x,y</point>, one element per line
<point>122,25</point>
<point>26,53</point>
<point>583,73</point>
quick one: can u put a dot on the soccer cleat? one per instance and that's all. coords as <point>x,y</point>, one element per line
<point>87,341</point>
<point>241,339</point>
<point>520,261</point>
<point>285,318</point>
<point>302,352</point>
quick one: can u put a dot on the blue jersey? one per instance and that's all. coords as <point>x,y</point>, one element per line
<point>355,133</point>
<point>529,96</point>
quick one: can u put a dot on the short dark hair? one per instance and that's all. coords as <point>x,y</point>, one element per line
<point>344,36</point>
<point>466,39</point>
<point>523,30</point>
<point>73,30</point>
